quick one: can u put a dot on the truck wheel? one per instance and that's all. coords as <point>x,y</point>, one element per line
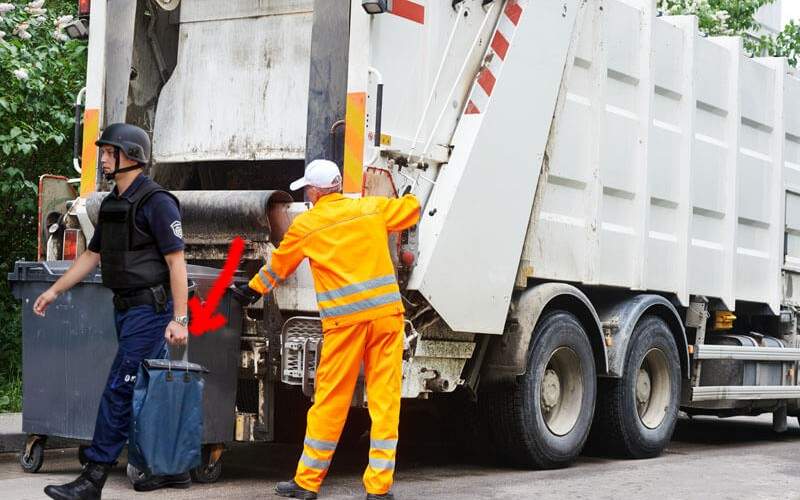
<point>543,420</point>
<point>32,461</point>
<point>636,414</point>
<point>210,468</point>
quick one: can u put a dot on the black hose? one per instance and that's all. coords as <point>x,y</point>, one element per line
<point>77,133</point>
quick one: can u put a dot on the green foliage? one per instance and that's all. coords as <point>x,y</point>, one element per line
<point>784,44</point>
<point>40,73</point>
<point>736,17</point>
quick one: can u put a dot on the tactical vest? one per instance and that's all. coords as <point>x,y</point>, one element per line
<point>129,256</point>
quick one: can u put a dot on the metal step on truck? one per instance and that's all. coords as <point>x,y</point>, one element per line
<point>611,223</point>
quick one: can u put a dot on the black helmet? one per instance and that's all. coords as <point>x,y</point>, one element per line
<point>130,139</point>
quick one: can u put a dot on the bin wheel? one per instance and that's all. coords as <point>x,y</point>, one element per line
<point>82,458</point>
<point>210,469</point>
<point>134,474</point>
<point>31,457</point>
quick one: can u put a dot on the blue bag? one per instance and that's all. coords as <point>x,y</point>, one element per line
<point>167,418</point>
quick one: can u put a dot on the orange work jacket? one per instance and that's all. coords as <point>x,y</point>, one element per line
<point>347,243</point>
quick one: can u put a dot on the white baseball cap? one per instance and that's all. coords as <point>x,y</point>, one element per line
<point>319,173</point>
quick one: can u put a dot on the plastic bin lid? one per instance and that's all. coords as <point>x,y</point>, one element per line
<point>50,271</point>
<point>47,271</point>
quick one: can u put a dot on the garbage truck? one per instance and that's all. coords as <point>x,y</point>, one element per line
<point>611,199</point>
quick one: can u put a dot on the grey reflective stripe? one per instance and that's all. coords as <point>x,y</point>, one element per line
<point>266,281</point>
<point>356,287</point>
<point>314,463</point>
<point>381,463</point>
<point>274,276</point>
<point>320,445</point>
<point>361,305</point>
<point>383,444</point>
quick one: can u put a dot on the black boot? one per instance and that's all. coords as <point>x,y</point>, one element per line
<point>293,490</point>
<point>386,496</point>
<point>88,486</point>
<point>156,482</point>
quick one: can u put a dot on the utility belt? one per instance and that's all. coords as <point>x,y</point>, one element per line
<point>157,296</point>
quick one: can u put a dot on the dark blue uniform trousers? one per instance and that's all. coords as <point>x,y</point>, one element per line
<point>140,333</point>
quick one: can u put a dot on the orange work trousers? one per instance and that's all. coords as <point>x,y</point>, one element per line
<point>379,344</point>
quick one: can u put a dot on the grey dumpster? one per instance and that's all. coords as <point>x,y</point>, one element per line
<point>67,354</point>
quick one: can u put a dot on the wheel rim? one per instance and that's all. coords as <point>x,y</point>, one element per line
<point>561,391</point>
<point>652,390</point>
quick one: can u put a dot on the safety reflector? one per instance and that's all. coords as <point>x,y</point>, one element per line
<point>70,244</point>
<point>84,7</point>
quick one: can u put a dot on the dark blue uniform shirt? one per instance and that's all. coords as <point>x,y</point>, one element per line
<point>159,216</point>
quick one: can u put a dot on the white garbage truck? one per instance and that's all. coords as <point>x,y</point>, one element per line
<point>611,200</point>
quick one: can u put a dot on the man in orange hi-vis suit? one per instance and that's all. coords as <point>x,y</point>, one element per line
<point>347,243</point>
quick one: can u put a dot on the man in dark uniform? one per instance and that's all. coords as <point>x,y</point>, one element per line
<point>139,242</point>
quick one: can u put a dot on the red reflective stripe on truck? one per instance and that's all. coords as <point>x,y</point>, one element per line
<point>498,50</point>
<point>486,80</point>
<point>408,10</point>
<point>513,11</point>
<point>472,109</point>
<point>500,44</point>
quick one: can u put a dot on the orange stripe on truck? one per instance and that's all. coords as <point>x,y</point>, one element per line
<point>355,122</point>
<point>408,10</point>
<point>91,130</point>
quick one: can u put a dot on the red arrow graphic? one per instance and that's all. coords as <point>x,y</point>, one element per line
<point>205,317</point>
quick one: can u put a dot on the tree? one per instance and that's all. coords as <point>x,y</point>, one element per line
<point>737,17</point>
<point>41,70</point>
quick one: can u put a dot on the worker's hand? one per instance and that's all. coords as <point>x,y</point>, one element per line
<point>43,301</point>
<point>244,295</point>
<point>176,334</point>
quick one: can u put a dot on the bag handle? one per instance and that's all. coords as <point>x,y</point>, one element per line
<point>184,357</point>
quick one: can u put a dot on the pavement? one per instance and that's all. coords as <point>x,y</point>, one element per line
<point>708,458</point>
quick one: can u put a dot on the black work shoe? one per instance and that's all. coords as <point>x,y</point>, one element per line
<point>385,496</point>
<point>293,490</point>
<point>151,483</point>
<point>87,486</point>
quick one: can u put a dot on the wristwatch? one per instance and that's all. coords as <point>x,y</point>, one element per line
<point>181,320</point>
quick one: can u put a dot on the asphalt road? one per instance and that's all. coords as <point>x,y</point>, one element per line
<point>708,459</point>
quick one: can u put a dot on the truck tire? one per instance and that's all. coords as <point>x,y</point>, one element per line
<point>543,419</point>
<point>636,414</point>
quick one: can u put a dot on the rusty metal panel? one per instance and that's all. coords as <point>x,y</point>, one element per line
<point>330,37</point>
<point>240,88</point>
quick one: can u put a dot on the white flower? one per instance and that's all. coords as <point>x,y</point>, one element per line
<point>37,4</point>
<point>24,35</point>
<point>6,7</point>
<point>21,74</point>
<point>21,27</point>
<point>61,37</point>
<point>63,20</point>
<point>2,34</point>
<point>35,12</point>
<point>36,21</point>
